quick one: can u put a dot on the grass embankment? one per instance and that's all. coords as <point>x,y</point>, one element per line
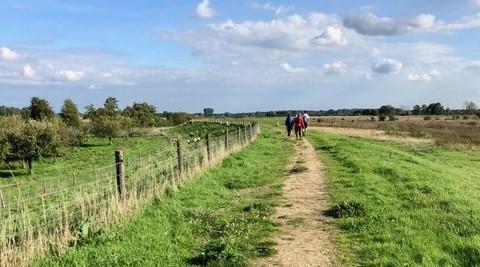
<point>220,218</point>
<point>401,205</point>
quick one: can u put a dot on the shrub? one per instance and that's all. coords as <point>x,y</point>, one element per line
<point>348,209</point>
<point>381,118</point>
<point>109,126</point>
<point>427,118</point>
<point>392,118</point>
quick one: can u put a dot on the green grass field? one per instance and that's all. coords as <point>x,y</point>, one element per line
<point>220,218</point>
<point>404,205</point>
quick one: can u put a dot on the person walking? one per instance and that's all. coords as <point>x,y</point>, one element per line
<point>299,125</point>
<point>306,122</point>
<point>289,123</point>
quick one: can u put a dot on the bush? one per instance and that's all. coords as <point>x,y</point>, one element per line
<point>70,136</point>
<point>382,118</point>
<point>109,126</point>
<point>427,118</point>
<point>348,209</point>
<point>392,118</point>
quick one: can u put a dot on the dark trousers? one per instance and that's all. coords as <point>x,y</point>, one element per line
<point>289,131</point>
<point>298,132</point>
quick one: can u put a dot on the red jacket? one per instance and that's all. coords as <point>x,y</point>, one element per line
<point>299,122</point>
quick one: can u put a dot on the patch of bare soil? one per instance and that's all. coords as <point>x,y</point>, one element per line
<point>372,134</point>
<point>305,232</point>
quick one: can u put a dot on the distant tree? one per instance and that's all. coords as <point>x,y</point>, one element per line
<point>435,109</point>
<point>111,104</point>
<point>208,111</point>
<point>89,111</point>
<point>470,107</point>
<point>424,109</point>
<point>9,111</point>
<point>70,114</point>
<point>142,114</point>
<point>417,110</point>
<point>107,126</point>
<point>40,109</point>
<point>178,118</point>
<point>386,110</point>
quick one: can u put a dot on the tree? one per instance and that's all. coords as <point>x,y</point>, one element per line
<point>4,144</point>
<point>70,114</point>
<point>9,111</point>
<point>435,109</point>
<point>178,117</point>
<point>30,140</point>
<point>40,109</point>
<point>386,110</point>
<point>208,111</point>
<point>417,110</point>
<point>89,111</point>
<point>107,126</point>
<point>111,104</point>
<point>142,114</point>
<point>470,107</point>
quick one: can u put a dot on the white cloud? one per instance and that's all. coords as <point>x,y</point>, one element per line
<point>286,67</point>
<point>28,71</point>
<point>331,35</point>
<point>71,75</point>
<point>204,10</point>
<point>371,24</point>
<point>369,76</point>
<point>334,68</point>
<point>476,2</point>
<point>235,63</point>
<point>426,77</point>
<point>386,66</point>
<point>7,54</point>
<point>423,21</point>
<point>294,32</point>
<point>94,87</point>
<point>277,10</point>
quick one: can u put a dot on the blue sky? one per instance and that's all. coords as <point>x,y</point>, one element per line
<point>237,55</point>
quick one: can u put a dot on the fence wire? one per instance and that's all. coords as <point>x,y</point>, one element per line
<point>31,218</point>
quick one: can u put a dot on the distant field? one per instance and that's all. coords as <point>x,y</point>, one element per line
<point>406,205</point>
<point>444,130</point>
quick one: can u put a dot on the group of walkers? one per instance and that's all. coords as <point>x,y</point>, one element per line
<point>299,123</point>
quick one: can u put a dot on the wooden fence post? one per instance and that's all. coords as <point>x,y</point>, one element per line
<point>209,154</point>
<point>226,139</point>
<point>2,202</point>
<point>239,137</point>
<point>120,171</point>
<point>179,158</point>
<point>245,133</point>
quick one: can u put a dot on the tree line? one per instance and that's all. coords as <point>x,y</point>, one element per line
<point>35,132</point>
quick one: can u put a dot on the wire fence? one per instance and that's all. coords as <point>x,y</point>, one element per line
<point>33,220</point>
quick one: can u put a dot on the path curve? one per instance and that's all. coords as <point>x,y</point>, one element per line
<point>305,232</point>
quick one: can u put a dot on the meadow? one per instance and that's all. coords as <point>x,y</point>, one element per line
<point>453,131</point>
<point>400,204</point>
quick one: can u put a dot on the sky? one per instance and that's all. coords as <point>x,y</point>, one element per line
<point>236,56</point>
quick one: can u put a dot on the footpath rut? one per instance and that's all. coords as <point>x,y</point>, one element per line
<point>305,232</point>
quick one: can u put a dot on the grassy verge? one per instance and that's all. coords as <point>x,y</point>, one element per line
<point>403,206</point>
<point>220,218</point>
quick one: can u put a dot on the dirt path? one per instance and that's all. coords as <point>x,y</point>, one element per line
<point>305,234</point>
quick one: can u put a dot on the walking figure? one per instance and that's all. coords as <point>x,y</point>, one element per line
<point>299,125</point>
<point>306,122</point>
<point>289,123</point>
